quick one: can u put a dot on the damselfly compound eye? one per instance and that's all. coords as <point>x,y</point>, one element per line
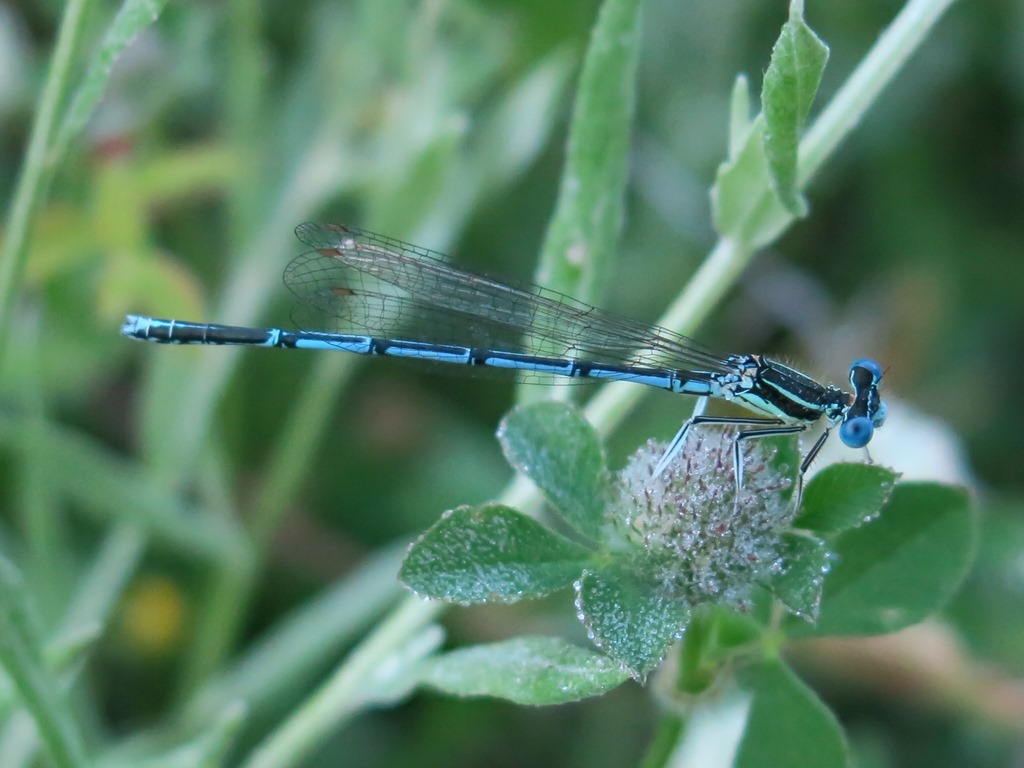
<point>856,433</point>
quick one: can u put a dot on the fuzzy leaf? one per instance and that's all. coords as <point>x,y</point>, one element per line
<point>799,586</point>
<point>845,496</point>
<point>744,203</point>
<point>553,445</point>
<point>792,79</point>
<point>131,19</point>
<point>787,724</point>
<point>490,553</point>
<point>525,670</point>
<point>896,570</point>
<point>629,618</point>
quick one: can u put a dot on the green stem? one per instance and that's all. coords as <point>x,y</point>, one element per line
<point>20,656</point>
<point>90,610</point>
<point>32,181</point>
<point>667,735</point>
<point>342,695</point>
<point>299,440</point>
<point>850,103</point>
<point>248,291</point>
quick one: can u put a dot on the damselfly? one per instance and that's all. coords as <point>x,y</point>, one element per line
<point>363,292</point>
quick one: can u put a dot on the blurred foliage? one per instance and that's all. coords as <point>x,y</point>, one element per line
<point>227,518</point>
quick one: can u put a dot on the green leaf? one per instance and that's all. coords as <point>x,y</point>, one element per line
<point>899,568</point>
<point>525,670</point>
<point>490,553</point>
<point>744,203</point>
<point>792,79</point>
<point>787,724</point>
<point>629,618</point>
<point>582,237</point>
<point>553,445</point>
<point>845,496</point>
<point>739,115</point>
<point>755,196</point>
<point>805,562</point>
<point>786,461</point>
<point>133,17</point>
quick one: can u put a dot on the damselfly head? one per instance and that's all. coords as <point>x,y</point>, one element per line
<point>866,412</point>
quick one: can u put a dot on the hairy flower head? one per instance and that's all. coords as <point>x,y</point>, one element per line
<point>696,535</point>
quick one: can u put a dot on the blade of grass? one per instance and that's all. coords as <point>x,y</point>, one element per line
<point>243,100</point>
<point>110,488</point>
<point>305,640</point>
<point>342,695</point>
<point>101,588</point>
<point>39,508</point>
<point>131,18</point>
<point>32,180</point>
<point>20,644</point>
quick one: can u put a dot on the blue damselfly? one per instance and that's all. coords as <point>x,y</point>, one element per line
<point>361,292</point>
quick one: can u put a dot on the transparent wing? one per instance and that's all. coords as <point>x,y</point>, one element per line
<point>359,282</point>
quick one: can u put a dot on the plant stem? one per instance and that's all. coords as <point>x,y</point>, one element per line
<point>34,173</point>
<point>351,686</point>
<point>885,59</point>
<point>20,656</point>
